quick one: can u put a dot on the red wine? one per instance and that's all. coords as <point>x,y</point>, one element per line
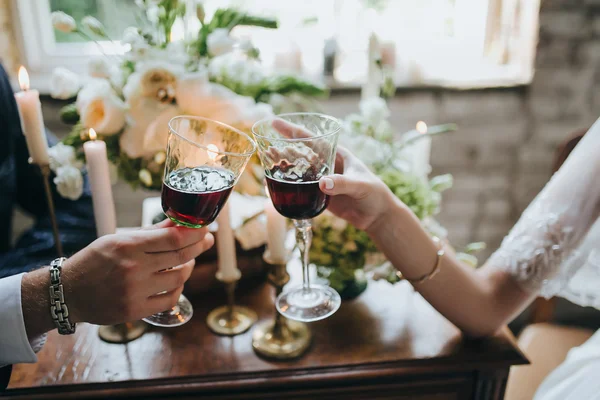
<point>194,196</point>
<point>296,198</point>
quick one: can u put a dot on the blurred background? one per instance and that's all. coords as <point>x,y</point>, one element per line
<point>517,76</point>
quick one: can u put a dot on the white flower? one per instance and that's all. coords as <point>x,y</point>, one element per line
<point>219,42</point>
<point>100,108</point>
<point>69,182</point>
<point>368,150</point>
<point>64,84</point>
<point>374,110</point>
<point>94,25</point>
<point>62,155</point>
<point>153,79</point>
<point>63,22</point>
<point>338,224</point>
<point>132,37</point>
<point>231,67</point>
<point>100,67</point>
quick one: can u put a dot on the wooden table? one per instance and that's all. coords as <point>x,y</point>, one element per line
<point>387,344</point>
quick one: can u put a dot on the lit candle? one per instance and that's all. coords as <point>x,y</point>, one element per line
<point>276,233</point>
<point>32,120</point>
<point>225,237</point>
<point>421,151</point>
<point>99,176</point>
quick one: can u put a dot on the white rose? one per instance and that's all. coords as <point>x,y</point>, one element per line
<point>94,25</point>
<point>132,37</point>
<point>374,109</point>
<point>62,155</point>
<point>63,22</point>
<point>219,42</point>
<point>100,108</point>
<point>100,67</point>
<point>64,84</point>
<point>69,182</point>
<point>152,79</point>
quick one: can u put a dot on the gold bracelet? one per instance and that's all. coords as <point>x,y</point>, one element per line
<point>440,254</point>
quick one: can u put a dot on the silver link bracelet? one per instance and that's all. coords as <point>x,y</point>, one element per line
<point>58,309</point>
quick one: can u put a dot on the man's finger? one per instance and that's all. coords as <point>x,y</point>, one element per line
<point>168,239</point>
<point>169,259</point>
<point>166,281</point>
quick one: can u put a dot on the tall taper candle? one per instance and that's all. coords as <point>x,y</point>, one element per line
<point>226,247</point>
<point>32,120</point>
<point>276,233</point>
<point>99,175</point>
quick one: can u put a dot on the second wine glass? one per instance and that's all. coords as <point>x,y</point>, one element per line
<point>296,150</point>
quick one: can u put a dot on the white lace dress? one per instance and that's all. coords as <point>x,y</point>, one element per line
<point>554,250</point>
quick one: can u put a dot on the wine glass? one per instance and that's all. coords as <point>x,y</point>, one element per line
<point>296,150</point>
<point>205,158</point>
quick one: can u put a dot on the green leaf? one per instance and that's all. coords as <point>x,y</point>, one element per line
<point>69,114</point>
<point>475,247</point>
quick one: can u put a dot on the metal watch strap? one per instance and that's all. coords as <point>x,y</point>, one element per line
<point>58,309</point>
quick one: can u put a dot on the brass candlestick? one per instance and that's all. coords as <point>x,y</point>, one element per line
<point>280,338</point>
<point>45,171</point>
<point>230,320</point>
<point>122,333</point>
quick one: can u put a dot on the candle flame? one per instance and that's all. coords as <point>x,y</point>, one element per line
<point>23,78</point>
<point>92,134</point>
<point>212,154</point>
<point>421,127</point>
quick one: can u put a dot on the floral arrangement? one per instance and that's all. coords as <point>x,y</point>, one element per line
<point>129,99</point>
<point>345,254</point>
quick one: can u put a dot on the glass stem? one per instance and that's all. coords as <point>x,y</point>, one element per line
<point>303,240</point>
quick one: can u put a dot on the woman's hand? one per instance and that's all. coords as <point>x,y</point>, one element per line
<point>358,195</point>
<point>126,276</point>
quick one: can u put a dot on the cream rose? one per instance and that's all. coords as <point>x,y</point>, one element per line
<point>197,96</point>
<point>64,84</point>
<point>100,67</point>
<point>100,108</point>
<point>152,79</point>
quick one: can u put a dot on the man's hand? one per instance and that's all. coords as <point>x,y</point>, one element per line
<point>119,278</point>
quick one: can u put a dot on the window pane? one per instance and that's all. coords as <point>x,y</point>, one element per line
<point>116,15</point>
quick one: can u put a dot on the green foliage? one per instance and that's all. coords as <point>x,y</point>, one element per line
<point>229,18</point>
<point>69,114</point>
<point>412,191</point>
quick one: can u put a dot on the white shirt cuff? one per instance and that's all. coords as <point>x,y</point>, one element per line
<point>14,344</point>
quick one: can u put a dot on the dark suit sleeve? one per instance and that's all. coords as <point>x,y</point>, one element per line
<point>5,376</point>
<point>23,187</point>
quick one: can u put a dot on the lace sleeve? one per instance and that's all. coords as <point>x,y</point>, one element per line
<point>542,250</point>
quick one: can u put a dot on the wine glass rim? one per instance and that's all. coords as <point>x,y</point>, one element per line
<point>227,153</point>
<point>306,139</point>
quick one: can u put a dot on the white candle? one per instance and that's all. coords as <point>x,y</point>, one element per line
<point>420,152</point>
<point>371,87</point>
<point>99,176</point>
<point>32,120</point>
<point>276,233</point>
<point>226,247</point>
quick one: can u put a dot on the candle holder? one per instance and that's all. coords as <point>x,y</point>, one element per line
<point>122,333</point>
<point>45,172</point>
<point>280,338</point>
<point>230,320</point>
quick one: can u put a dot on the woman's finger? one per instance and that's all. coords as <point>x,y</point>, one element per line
<point>340,184</point>
<point>290,130</point>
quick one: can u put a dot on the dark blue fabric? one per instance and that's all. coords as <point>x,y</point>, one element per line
<point>21,186</point>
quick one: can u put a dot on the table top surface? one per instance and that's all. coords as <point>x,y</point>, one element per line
<point>388,326</point>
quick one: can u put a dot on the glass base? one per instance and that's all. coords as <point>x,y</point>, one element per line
<point>308,305</point>
<point>176,316</point>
